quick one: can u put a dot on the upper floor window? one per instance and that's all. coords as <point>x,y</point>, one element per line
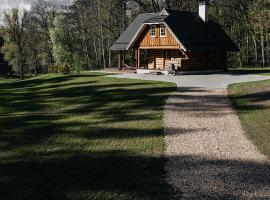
<point>162,31</point>
<point>153,31</point>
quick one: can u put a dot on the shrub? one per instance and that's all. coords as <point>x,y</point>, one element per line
<point>53,69</point>
<point>64,68</point>
<point>61,69</point>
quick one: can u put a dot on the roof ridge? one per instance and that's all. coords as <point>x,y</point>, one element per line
<point>180,10</point>
<point>149,13</point>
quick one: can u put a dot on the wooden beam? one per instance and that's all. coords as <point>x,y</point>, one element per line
<point>136,57</point>
<point>139,58</point>
<point>164,59</point>
<point>160,47</point>
<point>120,60</point>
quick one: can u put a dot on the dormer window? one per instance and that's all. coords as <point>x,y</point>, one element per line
<point>162,31</point>
<point>153,31</point>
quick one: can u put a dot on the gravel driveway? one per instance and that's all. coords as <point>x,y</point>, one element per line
<point>204,81</point>
<point>209,156</point>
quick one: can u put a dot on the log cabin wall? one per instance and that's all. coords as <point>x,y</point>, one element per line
<point>145,41</point>
<point>198,61</point>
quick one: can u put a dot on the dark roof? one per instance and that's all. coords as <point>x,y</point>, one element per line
<point>128,35</point>
<point>192,32</point>
<point>157,19</point>
<point>195,34</point>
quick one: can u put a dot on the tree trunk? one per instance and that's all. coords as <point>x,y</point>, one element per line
<point>36,64</point>
<point>262,43</point>
<point>255,48</point>
<point>247,47</point>
<point>101,35</point>
<point>109,52</point>
<point>86,50</point>
<point>96,52</point>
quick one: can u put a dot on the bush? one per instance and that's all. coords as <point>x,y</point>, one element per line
<point>53,69</point>
<point>60,69</point>
<point>64,68</point>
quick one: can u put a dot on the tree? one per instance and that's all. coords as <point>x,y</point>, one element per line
<point>43,14</point>
<point>15,37</point>
<point>66,43</point>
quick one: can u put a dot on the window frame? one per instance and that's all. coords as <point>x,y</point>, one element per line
<point>162,27</point>
<point>153,30</point>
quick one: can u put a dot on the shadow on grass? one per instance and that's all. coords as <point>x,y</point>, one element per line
<point>85,107</point>
<point>249,71</point>
<point>256,97</point>
<point>115,174</point>
<point>251,102</point>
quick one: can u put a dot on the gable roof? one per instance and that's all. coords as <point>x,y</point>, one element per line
<point>188,28</point>
<point>130,33</point>
<point>195,34</point>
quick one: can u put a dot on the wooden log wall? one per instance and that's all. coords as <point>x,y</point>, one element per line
<point>198,61</point>
<point>146,41</point>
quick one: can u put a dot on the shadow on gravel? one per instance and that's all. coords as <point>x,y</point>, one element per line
<point>203,102</point>
<point>203,178</point>
<point>199,102</point>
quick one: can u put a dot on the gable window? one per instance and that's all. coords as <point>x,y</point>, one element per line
<point>153,31</point>
<point>162,31</point>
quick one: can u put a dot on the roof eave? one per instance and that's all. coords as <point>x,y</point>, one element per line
<point>135,36</point>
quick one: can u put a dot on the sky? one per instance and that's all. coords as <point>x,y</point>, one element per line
<point>20,4</point>
<point>8,4</point>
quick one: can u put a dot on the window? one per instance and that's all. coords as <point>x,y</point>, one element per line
<point>167,55</point>
<point>153,31</point>
<point>162,31</point>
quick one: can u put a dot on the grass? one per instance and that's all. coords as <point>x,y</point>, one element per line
<point>82,137</point>
<point>250,70</point>
<point>5,79</point>
<point>252,102</point>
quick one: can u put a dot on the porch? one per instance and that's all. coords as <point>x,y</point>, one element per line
<point>155,60</point>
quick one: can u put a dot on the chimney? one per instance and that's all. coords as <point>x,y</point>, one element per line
<point>203,11</point>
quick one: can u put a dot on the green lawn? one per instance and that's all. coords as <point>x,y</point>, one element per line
<point>4,79</point>
<point>82,137</point>
<point>252,102</point>
<point>251,70</point>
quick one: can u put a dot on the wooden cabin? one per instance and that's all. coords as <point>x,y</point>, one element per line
<point>188,40</point>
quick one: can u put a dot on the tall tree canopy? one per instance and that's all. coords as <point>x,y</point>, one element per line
<point>80,32</point>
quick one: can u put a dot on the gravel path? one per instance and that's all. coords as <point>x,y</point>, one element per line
<point>209,156</point>
<point>205,81</point>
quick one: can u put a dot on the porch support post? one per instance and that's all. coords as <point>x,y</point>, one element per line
<point>120,60</point>
<point>124,58</point>
<point>164,58</point>
<point>138,58</point>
